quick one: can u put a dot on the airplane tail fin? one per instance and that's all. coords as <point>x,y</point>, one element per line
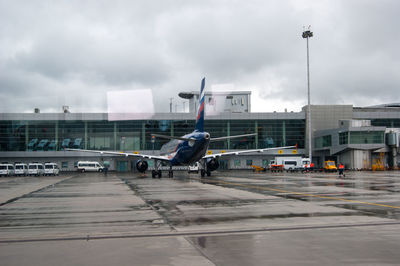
<point>200,111</point>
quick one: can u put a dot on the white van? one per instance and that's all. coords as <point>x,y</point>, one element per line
<point>51,169</point>
<point>21,169</point>
<point>6,169</point>
<point>291,163</point>
<point>193,168</point>
<point>35,169</point>
<point>89,167</point>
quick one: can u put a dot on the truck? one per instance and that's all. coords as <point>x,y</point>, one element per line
<point>330,166</point>
<point>293,163</point>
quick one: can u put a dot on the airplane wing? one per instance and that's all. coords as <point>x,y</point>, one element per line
<point>246,151</point>
<point>126,154</point>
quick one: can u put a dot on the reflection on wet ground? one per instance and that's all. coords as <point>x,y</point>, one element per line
<point>92,206</point>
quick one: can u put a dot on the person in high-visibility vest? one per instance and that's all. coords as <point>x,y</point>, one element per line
<point>341,169</point>
<point>311,166</point>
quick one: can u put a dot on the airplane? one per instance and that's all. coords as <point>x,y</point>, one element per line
<point>187,149</point>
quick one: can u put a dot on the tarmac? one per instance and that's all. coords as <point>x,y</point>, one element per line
<point>230,218</point>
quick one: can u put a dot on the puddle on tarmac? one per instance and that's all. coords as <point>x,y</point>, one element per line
<point>186,221</point>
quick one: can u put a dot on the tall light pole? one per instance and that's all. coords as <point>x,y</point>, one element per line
<point>306,35</point>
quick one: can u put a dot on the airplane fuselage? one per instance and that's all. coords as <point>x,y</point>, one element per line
<point>182,152</point>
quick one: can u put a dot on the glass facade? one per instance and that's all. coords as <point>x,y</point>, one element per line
<point>343,138</point>
<point>322,142</point>
<point>367,137</point>
<point>12,135</point>
<point>54,135</point>
<point>392,123</point>
<point>276,133</point>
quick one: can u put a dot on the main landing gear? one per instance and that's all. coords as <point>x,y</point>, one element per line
<point>157,172</point>
<point>204,170</point>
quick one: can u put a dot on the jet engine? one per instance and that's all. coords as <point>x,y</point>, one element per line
<point>212,164</point>
<point>141,166</point>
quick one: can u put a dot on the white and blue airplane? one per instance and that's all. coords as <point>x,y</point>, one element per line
<point>186,150</point>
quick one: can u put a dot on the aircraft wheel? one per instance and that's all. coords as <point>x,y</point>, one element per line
<point>202,172</point>
<point>208,173</point>
<point>153,174</point>
<point>159,174</point>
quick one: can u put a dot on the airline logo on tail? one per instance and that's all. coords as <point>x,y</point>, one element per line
<point>200,112</point>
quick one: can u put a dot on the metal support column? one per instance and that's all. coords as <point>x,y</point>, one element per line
<point>26,135</point>
<point>256,131</point>
<point>115,136</point>
<point>86,135</point>
<point>143,135</point>
<point>56,133</point>
<point>228,131</point>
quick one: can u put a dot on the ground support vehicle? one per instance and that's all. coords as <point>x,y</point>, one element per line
<point>85,166</point>
<point>21,169</point>
<point>330,166</point>
<point>6,169</point>
<point>36,169</point>
<point>51,169</point>
<point>290,163</point>
<point>276,167</point>
<point>194,168</point>
<point>257,168</point>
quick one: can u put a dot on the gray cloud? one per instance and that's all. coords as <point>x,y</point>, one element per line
<point>73,52</point>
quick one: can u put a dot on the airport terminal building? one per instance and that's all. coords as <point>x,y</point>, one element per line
<point>361,138</point>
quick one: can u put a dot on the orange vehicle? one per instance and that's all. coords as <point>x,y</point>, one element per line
<point>330,166</point>
<point>257,168</point>
<point>276,167</point>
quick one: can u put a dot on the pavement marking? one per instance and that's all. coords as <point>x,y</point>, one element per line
<point>193,234</point>
<point>297,193</point>
<point>44,187</point>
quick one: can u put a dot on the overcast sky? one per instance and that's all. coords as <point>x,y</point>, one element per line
<point>55,53</point>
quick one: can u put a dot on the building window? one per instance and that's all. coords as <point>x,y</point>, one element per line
<point>367,137</point>
<point>343,138</point>
<point>249,162</point>
<point>327,141</point>
<point>64,164</point>
<point>324,141</point>
<point>237,163</point>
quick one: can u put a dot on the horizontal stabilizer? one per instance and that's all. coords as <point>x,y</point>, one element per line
<point>232,137</point>
<point>170,137</point>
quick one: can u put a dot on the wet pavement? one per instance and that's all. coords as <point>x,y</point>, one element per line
<point>231,218</point>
